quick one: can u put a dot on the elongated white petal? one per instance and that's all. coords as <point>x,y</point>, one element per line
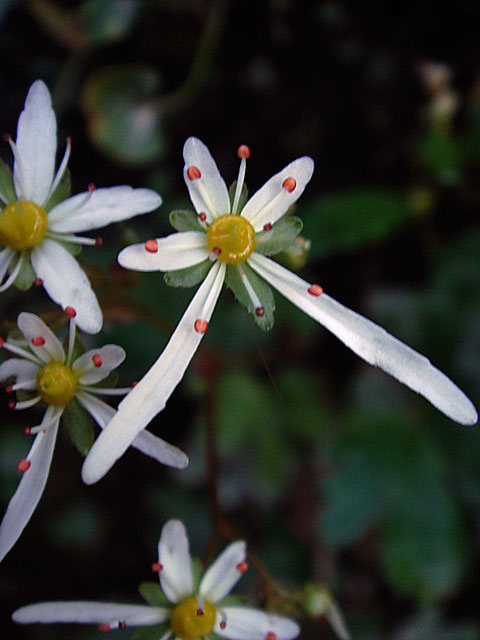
<point>176,575</point>
<point>36,145</point>
<point>208,193</point>
<point>6,256</point>
<point>103,207</point>
<point>152,392</point>
<point>34,327</point>
<point>66,283</point>
<point>371,342</point>
<point>110,356</point>
<point>224,573</point>
<point>176,251</point>
<point>100,411</point>
<point>91,613</point>
<point>24,371</point>
<point>29,491</point>
<point>244,623</point>
<point>270,203</point>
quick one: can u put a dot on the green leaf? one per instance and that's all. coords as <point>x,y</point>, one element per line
<point>152,593</point>
<point>442,154</point>
<point>154,632</point>
<point>26,276</point>
<point>110,382</point>
<point>61,193</point>
<point>280,237</point>
<point>188,277</point>
<point>80,426</point>
<point>183,220</point>
<point>73,249</point>
<point>234,281</point>
<point>243,196</point>
<point>6,182</point>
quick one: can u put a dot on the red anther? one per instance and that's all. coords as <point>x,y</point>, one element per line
<point>9,389</point>
<point>70,311</point>
<point>151,246</point>
<point>267,227</point>
<point>99,241</point>
<point>223,624</point>
<point>289,184</point>
<point>243,151</point>
<point>271,636</point>
<point>38,341</point>
<point>315,290</point>
<point>97,360</point>
<point>27,431</point>
<point>2,341</point>
<point>193,173</point>
<point>38,282</point>
<point>242,567</point>
<point>157,566</point>
<point>7,137</point>
<point>91,187</point>
<point>134,383</point>
<point>23,465</point>
<point>217,251</point>
<point>202,216</point>
<point>200,612</point>
<point>69,139</point>
<point>12,404</point>
<point>104,627</point>
<point>260,311</point>
<point>122,624</point>
<point>200,326</point>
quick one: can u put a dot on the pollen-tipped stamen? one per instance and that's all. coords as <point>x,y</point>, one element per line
<point>26,404</point>
<point>12,277</point>
<point>71,313</point>
<point>257,305</point>
<point>243,153</point>
<point>21,352</point>
<point>71,238</point>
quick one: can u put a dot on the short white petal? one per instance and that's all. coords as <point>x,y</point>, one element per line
<point>66,283</point>
<point>222,575</point>
<point>244,623</point>
<point>23,370</point>
<point>176,575</point>
<point>371,342</point>
<point>209,193</point>
<point>103,207</point>
<point>176,251</point>
<point>6,256</point>
<point>34,327</point>
<point>111,356</point>
<point>29,491</point>
<point>37,145</point>
<point>272,200</point>
<point>149,396</point>
<point>91,613</point>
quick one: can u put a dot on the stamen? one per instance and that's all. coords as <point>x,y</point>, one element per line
<point>12,404</point>
<point>122,624</point>
<point>27,431</point>
<point>157,566</point>
<point>70,311</point>
<point>242,567</point>
<point>104,627</point>
<point>151,246</point>
<point>102,391</point>
<point>243,153</point>
<point>19,167</point>
<point>99,241</point>
<point>251,292</point>
<point>193,173</point>
<point>38,282</point>
<point>38,341</point>
<point>72,238</point>
<point>200,326</point>
<point>271,636</point>
<point>97,360</point>
<point>223,621</point>
<point>315,290</point>
<point>11,278</point>
<point>23,465</point>
<point>201,606</point>
<point>214,255</point>
<point>289,184</point>
<point>26,404</point>
<point>267,227</point>
<point>9,389</point>
<point>202,216</point>
<point>2,341</point>
<point>20,352</point>
<point>260,311</point>
<point>134,383</point>
<point>61,170</point>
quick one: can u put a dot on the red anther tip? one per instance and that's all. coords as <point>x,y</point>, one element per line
<point>271,636</point>
<point>202,216</point>
<point>289,184</point>
<point>243,151</point>
<point>38,341</point>
<point>193,173</point>
<point>157,566</point>
<point>38,282</point>
<point>260,311</point>
<point>223,624</point>
<point>97,360</point>
<point>9,389</point>
<point>242,567</point>
<point>91,187</point>
<point>104,627</point>
<point>99,241</point>
<point>2,341</point>
<point>315,290</point>
<point>151,246</point>
<point>199,612</point>
<point>12,404</point>
<point>27,431</point>
<point>134,383</point>
<point>23,465</point>
<point>217,251</point>
<point>122,624</point>
<point>7,137</point>
<point>200,326</point>
<point>70,311</point>
<point>267,227</point>
<point>69,139</point>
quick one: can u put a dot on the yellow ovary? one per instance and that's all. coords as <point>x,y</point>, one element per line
<point>22,225</point>
<point>56,383</point>
<point>190,622</point>
<point>232,238</point>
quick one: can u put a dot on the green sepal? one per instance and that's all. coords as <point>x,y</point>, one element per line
<point>78,348</point>
<point>73,249</point>
<point>26,276</point>
<point>183,220</point>
<point>154,632</point>
<point>110,382</point>
<point>23,395</point>
<point>281,236</point>
<point>152,593</point>
<point>243,196</point>
<point>188,277</point>
<point>233,601</point>
<point>6,182</point>
<point>80,426</point>
<point>61,193</point>
<point>262,289</point>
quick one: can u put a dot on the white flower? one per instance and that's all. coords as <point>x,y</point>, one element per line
<point>47,374</point>
<point>34,227</point>
<point>231,243</point>
<point>191,613</point>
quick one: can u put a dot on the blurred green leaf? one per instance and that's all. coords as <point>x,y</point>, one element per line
<point>108,20</point>
<point>26,276</point>
<point>441,152</point>
<point>155,632</point>
<point>152,593</point>
<point>80,426</point>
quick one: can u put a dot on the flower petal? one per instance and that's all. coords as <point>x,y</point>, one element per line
<point>223,574</point>
<point>66,283</point>
<point>244,623</point>
<point>29,491</point>
<point>208,193</point>
<point>272,200</point>
<point>25,372</point>
<point>149,396</point>
<point>91,613</point>
<point>101,207</point>
<point>36,145</point>
<point>111,356</point>
<point>176,251</point>
<point>176,575</point>
<point>6,256</point>
<point>371,342</point>
<point>34,327</point>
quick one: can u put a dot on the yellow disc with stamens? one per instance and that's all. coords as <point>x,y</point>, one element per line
<point>189,621</point>
<point>56,383</point>
<point>231,238</point>
<point>22,225</point>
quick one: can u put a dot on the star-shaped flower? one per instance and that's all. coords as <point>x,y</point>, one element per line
<point>231,245</point>
<point>189,612</point>
<point>37,223</point>
<point>46,373</point>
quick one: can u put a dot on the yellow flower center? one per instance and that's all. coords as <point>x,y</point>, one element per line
<point>56,383</point>
<point>190,622</point>
<point>22,225</point>
<point>232,238</point>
